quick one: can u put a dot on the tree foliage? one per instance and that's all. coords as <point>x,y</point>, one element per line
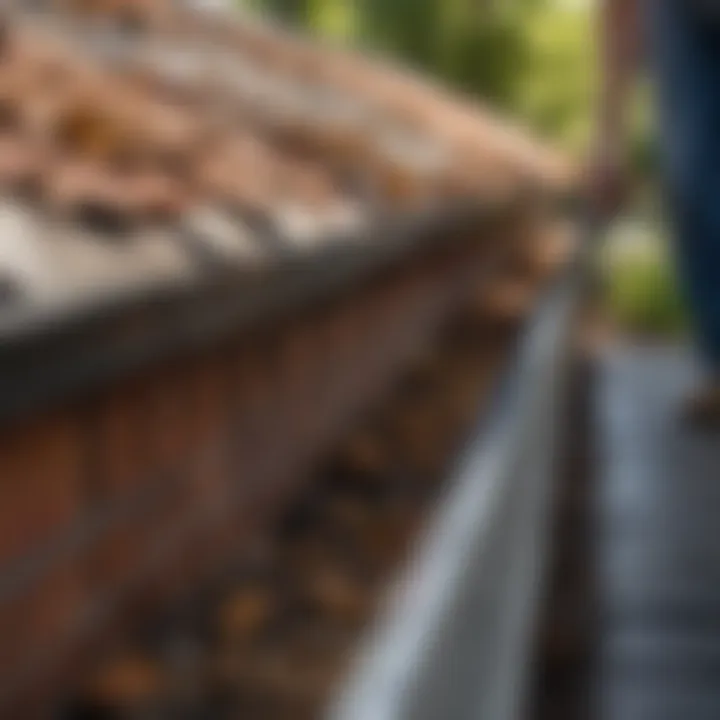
<point>531,57</point>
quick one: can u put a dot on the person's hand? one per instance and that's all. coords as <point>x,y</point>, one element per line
<point>606,180</point>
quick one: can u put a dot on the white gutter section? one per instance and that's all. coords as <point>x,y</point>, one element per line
<point>455,640</point>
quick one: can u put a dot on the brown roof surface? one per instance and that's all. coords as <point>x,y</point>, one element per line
<point>149,121</point>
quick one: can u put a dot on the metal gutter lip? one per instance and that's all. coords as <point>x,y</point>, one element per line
<point>453,638</point>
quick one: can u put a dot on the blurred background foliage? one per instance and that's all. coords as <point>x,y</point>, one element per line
<point>533,58</point>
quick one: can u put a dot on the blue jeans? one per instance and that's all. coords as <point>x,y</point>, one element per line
<point>685,55</point>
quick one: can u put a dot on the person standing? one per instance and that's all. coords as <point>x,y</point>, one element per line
<point>679,41</point>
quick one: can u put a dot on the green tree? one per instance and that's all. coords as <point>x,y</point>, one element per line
<point>530,57</point>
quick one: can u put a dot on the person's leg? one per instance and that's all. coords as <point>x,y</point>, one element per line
<point>686,59</point>
<point>697,249</point>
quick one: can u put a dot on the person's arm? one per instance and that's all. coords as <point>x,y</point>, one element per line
<point>619,50</point>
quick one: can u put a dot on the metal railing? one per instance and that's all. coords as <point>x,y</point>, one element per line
<point>455,640</point>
